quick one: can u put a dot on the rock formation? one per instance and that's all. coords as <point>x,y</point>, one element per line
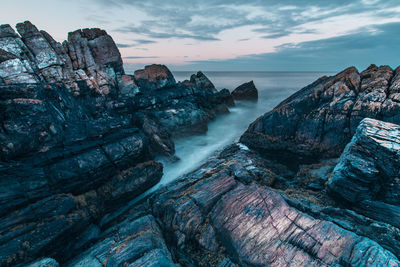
<point>246,91</point>
<point>320,119</point>
<point>154,77</point>
<point>89,56</point>
<point>78,139</point>
<point>367,174</point>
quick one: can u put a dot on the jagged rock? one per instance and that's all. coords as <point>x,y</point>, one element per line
<point>45,262</point>
<point>89,55</point>
<point>40,229</point>
<point>211,210</point>
<point>161,141</point>
<point>277,234</point>
<point>127,86</point>
<point>367,174</point>
<point>77,143</point>
<point>201,82</point>
<point>136,242</point>
<point>320,119</point>
<point>383,233</point>
<point>154,77</point>
<point>246,91</point>
<point>226,96</point>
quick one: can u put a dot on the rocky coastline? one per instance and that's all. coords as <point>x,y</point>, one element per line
<point>313,182</point>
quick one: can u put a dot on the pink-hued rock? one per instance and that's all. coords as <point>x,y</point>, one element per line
<point>263,230</point>
<point>154,77</point>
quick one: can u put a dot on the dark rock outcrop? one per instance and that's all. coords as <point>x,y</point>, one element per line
<point>201,81</point>
<point>367,174</point>
<point>246,91</point>
<point>89,55</point>
<point>133,242</point>
<point>224,209</point>
<point>320,119</point>
<point>154,77</point>
<point>78,139</point>
<point>45,262</point>
<point>226,97</point>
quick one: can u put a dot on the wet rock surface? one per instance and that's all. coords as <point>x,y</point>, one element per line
<point>367,174</point>
<point>246,91</point>
<point>78,139</point>
<point>320,119</point>
<point>234,210</point>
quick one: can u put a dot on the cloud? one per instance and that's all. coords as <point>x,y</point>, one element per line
<point>124,45</point>
<point>143,30</point>
<point>205,20</point>
<point>331,54</point>
<point>303,34</point>
<point>144,41</point>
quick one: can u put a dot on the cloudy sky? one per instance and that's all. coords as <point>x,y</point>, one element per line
<point>252,35</point>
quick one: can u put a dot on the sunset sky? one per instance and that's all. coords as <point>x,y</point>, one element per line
<point>254,35</point>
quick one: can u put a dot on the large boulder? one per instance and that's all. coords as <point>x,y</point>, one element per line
<point>133,242</point>
<point>201,82</point>
<point>367,174</point>
<point>246,91</point>
<point>154,77</point>
<point>320,119</point>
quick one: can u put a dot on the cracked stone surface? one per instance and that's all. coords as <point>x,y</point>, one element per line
<point>320,119</point>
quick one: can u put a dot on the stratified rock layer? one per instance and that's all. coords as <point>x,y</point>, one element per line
<point>89,55</point>
<point>77,141</point>
<point>320,119</point>
<point>367,174</point>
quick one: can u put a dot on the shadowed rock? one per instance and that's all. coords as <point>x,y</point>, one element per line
<point>154,77</point>
<point>367,174</point>
<point>77,142</point>
<point>45,262</point>
<point>202,82</point>
<point>136,242</point>
<point>320,119</point>
<point>246,91</point>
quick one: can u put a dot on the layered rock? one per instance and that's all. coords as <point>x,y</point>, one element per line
<point>367,174</point>
<point>76,154</point>
<point>77,142</point>
<point>225,212</point>
<point>246,91</point>
<point>154,77</point>
<point>89,56</point>
<point>320,119</point>
<point>133,242</point>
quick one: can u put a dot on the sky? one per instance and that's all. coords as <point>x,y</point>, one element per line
<point>222,35</point>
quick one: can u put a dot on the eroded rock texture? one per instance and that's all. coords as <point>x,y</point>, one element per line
<point>320,119</point>
<point>78,139</point>
<point>227,209</point>
<point>77,144</point>
<point>367,174</point>
<point>89,55</point>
